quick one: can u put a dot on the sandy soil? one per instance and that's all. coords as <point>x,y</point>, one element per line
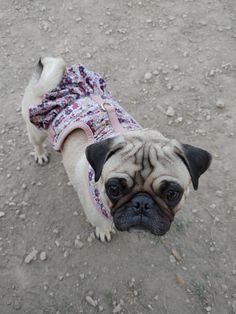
<point>189,49</point>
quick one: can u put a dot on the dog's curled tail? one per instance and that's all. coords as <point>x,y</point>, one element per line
<point>47,75</point>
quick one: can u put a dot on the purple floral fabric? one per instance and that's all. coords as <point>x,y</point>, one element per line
<point>69,103</point>
<point>95,195</point>
<point>77,82</point>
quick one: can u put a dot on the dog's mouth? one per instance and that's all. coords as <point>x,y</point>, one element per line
<point>155,224</point>
<point>138,229</point>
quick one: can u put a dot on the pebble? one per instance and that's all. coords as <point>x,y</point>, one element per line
<point>91,238</point>
<point>45,287</point>
<point>66,254</point>
<point>179,120</point>
<point>82,276</point>
<point>100,308</point>
<point>31,256</point>
<point>132,283</point>
<point>22,216</point>
<point>170,112</point>
<point>78,244</point>
<point>219,193</point>
<point>148,76</point>
<point>220,104</point>
<point>91,301</point>
<point>213,206</point>
<point>2,214</point>
<point>117,309</point>
<point>43,256</point>
<point>172,259</point>
<point>208,308</point>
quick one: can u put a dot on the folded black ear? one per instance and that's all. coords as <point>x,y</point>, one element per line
<point>98,153</point>
<point>197,161</point>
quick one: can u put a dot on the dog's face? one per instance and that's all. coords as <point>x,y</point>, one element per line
<point>143,177</point>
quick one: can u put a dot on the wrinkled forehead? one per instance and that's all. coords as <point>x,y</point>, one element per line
<point>147,160</point>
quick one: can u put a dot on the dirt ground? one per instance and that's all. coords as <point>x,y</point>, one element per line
<point>155,54</point>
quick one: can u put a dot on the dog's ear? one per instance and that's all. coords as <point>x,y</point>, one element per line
<point>197,161</point>
<point>98,153</point>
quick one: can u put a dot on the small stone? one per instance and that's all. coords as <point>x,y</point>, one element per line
<point>176,67</point>
<point>179,120</point>
<point>212,249</point>
<point>66,254</point>
<point>208,309</point>
<point>24,186</point>
<point>45,287</point>
<point>179,279</point>
<point>172,259</point>
<point>78,244</point>
<point>135,293</point>
<point>31,256</point>
<point>82,276</point>
<point>212,72</point>
<point>91,238</point>
<point>57,243</point>
<point>186,53</point>
<point>148,76</point>
<point>22,216</point>
<point>170,112</point>
<point>234,272</point>
<point>132,283</point>
<point>117,309</point>
<point>91,301</point>
<point>219,193</point>
<point>100,308</point>
<point>43,256</point>
<point>220,104</point>
<point>2,214</point>
<point>88,55</point>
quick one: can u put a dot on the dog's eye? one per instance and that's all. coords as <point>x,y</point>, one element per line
<point>114,190</point>
<point>172,196</point>
<point>171,192</point>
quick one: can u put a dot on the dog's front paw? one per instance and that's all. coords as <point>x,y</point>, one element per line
<point>104,234</point>
<point>41,158</point>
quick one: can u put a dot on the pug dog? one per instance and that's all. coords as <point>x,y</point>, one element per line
<point>126,177</point>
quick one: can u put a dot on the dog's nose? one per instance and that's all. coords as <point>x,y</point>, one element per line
<point>142,202</point>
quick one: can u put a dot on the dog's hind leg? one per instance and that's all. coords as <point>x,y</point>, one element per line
<point>37,138</point>
<point>47,75</point>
